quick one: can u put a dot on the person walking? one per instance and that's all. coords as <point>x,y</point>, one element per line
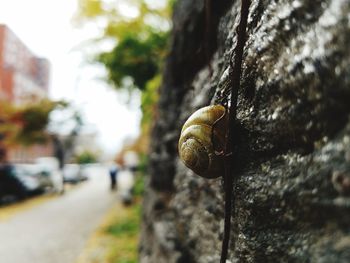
<point>113,171</point>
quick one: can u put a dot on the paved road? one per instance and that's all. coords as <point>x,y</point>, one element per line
<point>56,231</point>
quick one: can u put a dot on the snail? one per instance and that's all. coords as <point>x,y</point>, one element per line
<point>202,135</point>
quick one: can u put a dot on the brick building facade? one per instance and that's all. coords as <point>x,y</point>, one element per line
<point>22,74</point>
<point>23,77</point>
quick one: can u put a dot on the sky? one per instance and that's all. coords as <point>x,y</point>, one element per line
<point>46,27</point>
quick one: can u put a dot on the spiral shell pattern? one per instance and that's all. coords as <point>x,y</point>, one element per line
<point>196,149</point>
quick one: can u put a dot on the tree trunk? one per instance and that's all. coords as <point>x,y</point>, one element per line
<point>292,189</point>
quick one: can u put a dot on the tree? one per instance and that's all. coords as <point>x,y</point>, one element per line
<point>26,124</point>
<point>140,39</point>
<point>66,125</point>
<point>86,157</point>
<point>136,58</point>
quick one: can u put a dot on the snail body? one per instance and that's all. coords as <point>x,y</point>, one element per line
<point>201,136</point>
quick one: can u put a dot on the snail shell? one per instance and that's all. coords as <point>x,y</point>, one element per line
<point>204,130</point>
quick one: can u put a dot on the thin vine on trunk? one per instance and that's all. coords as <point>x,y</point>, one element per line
<point>235,75</point>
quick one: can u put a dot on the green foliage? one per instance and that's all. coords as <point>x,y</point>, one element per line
<point>149,98</point>
<point>135,57</point>
<point>141,40</point>
<point>140,175</point>
<point>140,32</point>
<point>27,124</point>
<point>34,119</point>
<point>90,8</point>
<point>142,167</point>
<point>86,157</point>
<point>139,185</point>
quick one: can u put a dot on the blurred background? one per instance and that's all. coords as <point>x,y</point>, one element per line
<point>78,86</point>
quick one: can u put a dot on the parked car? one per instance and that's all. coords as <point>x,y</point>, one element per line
<point>41,175</point>
<point>29,177</point>
<point>16,183</point>
<point>72,173</point>
<point>49,169</point>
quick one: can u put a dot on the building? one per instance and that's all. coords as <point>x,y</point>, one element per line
<point>23,76</point>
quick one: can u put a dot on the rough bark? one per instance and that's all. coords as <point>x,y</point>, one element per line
<point>293,179</point>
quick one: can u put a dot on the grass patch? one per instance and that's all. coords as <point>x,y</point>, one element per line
<point>116,240</point>
<point>126,227</point>
<point>125,230</point>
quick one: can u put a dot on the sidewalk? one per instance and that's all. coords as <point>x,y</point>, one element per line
<point>56,231</point>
